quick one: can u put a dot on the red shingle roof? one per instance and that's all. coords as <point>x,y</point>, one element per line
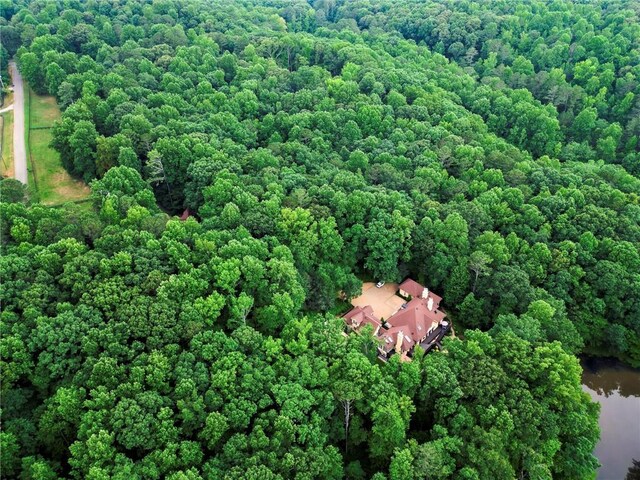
<point>416,290</point>
<point>186,214</point>
<point>418,318</point>
<point>412,287</point>
<point>390,338</point>
<point>414,321</point>
<point>358,317</point>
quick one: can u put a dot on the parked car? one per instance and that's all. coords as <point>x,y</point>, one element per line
<point>403,306</point>
<point>380,284</point>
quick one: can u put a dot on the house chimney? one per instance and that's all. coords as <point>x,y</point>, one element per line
<point>399,340</point>
<point>430,303</point>
<point>425,293</point>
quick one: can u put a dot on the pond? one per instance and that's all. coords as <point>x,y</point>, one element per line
<point>616,388</point>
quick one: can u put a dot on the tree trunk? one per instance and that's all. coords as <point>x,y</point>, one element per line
<point>346,404</point>
<point>473,290</point>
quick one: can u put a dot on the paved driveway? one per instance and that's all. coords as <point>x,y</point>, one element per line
<point>19,152</point>
<point>384,301</point>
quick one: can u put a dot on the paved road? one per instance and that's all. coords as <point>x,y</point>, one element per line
<point>19,152</point>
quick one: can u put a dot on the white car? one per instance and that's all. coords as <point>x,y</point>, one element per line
<point>380,284</point>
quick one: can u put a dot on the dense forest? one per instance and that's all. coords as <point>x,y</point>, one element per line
<point>489,149</point>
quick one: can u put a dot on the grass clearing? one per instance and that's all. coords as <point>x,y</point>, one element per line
<point>44,110</point>
<point>55,185</point>
<point>6,165</point>
<point>6,138</point>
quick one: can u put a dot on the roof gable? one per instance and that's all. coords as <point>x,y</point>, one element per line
<point>358,317</point>
<point>417,318</point>
<point>412,287</point>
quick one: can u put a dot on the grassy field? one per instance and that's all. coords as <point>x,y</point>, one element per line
<point>6,164</point>
<point>44,110</point>
<point>54,184</point>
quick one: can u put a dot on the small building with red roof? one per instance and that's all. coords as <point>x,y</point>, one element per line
<point>361,316</point>
<point>186,214</point>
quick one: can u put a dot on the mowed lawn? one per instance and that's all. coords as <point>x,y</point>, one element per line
<point>44,110</point>
<point>54,184</point>
<point>6,165</point>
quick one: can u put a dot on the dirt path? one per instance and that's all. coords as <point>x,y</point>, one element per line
<point>19,151</point>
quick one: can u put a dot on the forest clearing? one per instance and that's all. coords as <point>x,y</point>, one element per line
<point>50,181</point>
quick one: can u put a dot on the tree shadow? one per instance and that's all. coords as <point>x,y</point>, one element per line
<point>634,470</point>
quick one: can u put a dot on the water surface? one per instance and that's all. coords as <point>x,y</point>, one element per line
<point>617,389</point>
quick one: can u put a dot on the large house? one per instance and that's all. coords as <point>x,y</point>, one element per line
<point>419,322</point>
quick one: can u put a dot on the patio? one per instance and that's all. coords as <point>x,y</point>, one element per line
<point>383,301</point>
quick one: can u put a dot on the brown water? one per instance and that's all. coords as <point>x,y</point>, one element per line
<point>617,389</point>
